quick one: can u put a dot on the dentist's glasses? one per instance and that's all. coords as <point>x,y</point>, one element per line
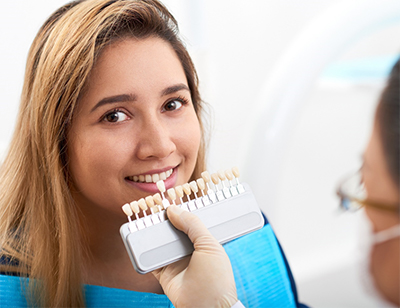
<point>353,195</point>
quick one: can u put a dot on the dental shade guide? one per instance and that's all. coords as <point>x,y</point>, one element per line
<point>153,242</point>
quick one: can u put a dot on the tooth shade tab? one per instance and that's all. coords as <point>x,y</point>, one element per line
<point>235,171</point>
<point>161,186</point>
<point>186,189</point>
<point>126,208</point>
<point>211,194</point>
<point>229,175</point>
<point>149,201</point>
<point>215,178</point>
<point>193,186</point>
<point>206,176</point>
<point>155,177</point>
<point>201,184</point>
<point>142,204</point>
<point>157,199</point>
<point>239,186</point>
<point>179,191</point>
<point>219,193</point>
<point>221,175</point>
<point>135,207</point>
<point>171,193</point>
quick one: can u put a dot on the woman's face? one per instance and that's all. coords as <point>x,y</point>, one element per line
<point>384,258</point>
<point>134,120</point>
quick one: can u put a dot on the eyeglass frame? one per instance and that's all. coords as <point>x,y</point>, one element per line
<point>347,198</point>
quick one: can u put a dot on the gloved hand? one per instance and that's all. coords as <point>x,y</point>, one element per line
<point>205,279</point>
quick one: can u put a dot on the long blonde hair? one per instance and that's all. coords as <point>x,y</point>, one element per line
<point>39,235</point>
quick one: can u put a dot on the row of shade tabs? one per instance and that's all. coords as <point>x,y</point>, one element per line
<point>213,188</point>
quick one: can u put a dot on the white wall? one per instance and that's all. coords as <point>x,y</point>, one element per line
<point>236,45</point>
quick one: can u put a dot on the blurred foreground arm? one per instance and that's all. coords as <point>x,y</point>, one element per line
<point>205,279</point>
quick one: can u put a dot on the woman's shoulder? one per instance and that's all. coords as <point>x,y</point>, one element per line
<point>99,296</point>
<point>12,291</point>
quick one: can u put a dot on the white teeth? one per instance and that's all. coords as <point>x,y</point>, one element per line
<point>151,178</point>
<point>155,178</point>
<point>163,176</point>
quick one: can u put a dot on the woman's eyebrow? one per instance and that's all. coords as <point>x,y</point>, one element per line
<point>174,89</point>
<point>131,97</point>
<point>114,99</point>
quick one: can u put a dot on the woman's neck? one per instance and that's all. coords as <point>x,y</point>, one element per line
<point>107,262</point>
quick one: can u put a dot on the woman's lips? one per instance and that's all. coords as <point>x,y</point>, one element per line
<point>151,187</point>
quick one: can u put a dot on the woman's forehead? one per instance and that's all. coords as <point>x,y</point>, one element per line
<point>135,67</point>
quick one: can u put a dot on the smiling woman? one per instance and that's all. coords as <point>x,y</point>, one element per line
<point>107,106</point>
<point>151,130</point>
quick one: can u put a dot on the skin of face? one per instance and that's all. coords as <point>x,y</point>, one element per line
<point>385,257</point>
<point>136,117</point>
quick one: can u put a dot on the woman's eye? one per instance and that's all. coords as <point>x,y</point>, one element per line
<point>173,105</point>
<point>115,116</point>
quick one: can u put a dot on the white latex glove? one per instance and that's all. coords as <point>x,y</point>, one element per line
<point>205,279</point>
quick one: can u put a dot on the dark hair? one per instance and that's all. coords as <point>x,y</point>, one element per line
<point>388,120</point>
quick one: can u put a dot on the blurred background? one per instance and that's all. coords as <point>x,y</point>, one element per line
<point>292,88</point>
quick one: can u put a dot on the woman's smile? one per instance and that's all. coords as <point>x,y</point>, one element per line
<point>147,182</point>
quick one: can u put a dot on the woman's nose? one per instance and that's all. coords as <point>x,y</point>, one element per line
<point>156,140</point>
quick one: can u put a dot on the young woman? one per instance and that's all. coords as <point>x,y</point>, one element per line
<point>375,186</point>
<point>110,94</point>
